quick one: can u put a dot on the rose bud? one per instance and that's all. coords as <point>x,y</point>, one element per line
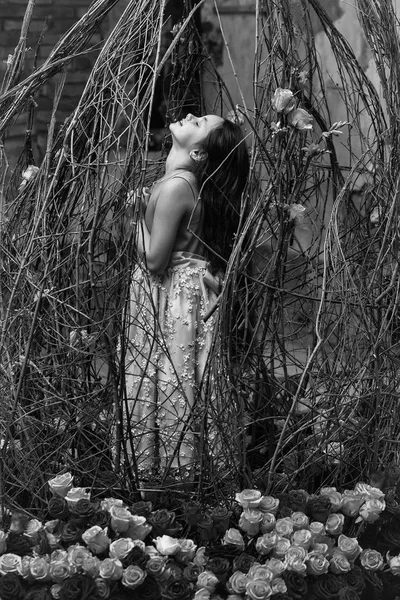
<point>276,566</point>
<point>283,100</point>
<point>9,563</point>
<point>278,586</point>
<point>296,553</point>
<point>120,548</point>
<point>258,571</point>
<point>76,494</point>
<point>317,530</point>
<point>120,519</point>
<point>298,500</point>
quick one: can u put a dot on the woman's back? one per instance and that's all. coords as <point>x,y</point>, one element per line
<point>189,231</point>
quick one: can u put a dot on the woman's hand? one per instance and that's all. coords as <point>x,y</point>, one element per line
<point>136,204</point>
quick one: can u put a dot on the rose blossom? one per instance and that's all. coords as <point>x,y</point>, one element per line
<point>234,537</point>
<point>302,537</point>
<point>394,563</point>
<point>77,554</point>
<point>351,503</point>
<point>108,503</point>
<point>133,576</point>
<point>276,566</point>
<point>258,589</point>
<point>281,547</point>
<point>39,568</point>
<point>237,582</point>
<point>297,566</point>
<point>371,560</point>
<point>207,580</point>
<point>258,571</point>
<point>248,498</point>
<point>334,496</point>
<point>284,527</point>
<point>339,563</point>
<point>296,553</point>
<point>24,570</point>
<point>76,494</point>
<point>250,520</point>
<point>200,559</point>
<point>61,484</point>
<point>349,546</point>
<point>111,568</point>
<point>91,566</point>
<point>278,586</point>
<point>202,594</point>
<point>300,520</point>
<point>283,100</point>
<point>96,539</point>
<point>155,566</point>
<point>300,119</point>
<point>9,563</point>
<point>334,524</point>
<point>371,509</point>
<point>269,504</point>
<point>59,570</point>
<point>320,548</point>
<point>32,530</point>
<point>187,550</point>
<point>268,522</point>
<point>317,530</point>
<point>266,543</point>
<point>120,548</point>
<point>55,591</point>
<point>167,545</point>
<point>369,491</point>
<point>102,588</point>
<point>317,564</point>
<point>120,519</point>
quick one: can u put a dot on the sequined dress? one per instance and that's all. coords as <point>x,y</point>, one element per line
<point>168,347</point>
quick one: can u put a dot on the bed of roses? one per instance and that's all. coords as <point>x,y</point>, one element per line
<point>331,545</point>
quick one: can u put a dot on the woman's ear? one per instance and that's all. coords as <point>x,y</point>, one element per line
<point>198,155</point>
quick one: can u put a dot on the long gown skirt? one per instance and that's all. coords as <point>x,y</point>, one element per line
<point>168,346</point>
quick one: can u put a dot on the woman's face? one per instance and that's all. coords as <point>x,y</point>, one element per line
<point>191,132</point>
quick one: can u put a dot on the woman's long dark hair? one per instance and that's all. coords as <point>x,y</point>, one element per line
<point>222,178</point>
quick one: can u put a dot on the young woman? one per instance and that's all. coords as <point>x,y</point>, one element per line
<point>184,237</point>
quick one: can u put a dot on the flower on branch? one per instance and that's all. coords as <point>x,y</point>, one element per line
<point>334,129</point>
<point>283,101</point>
<point>300,119</point>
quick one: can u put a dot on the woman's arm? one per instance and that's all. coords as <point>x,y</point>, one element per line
<point>156,241</point>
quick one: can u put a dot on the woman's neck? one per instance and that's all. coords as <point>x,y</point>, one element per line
<point>177,161</point>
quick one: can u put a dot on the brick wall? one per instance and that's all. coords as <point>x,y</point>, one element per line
<point>59,15</point>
